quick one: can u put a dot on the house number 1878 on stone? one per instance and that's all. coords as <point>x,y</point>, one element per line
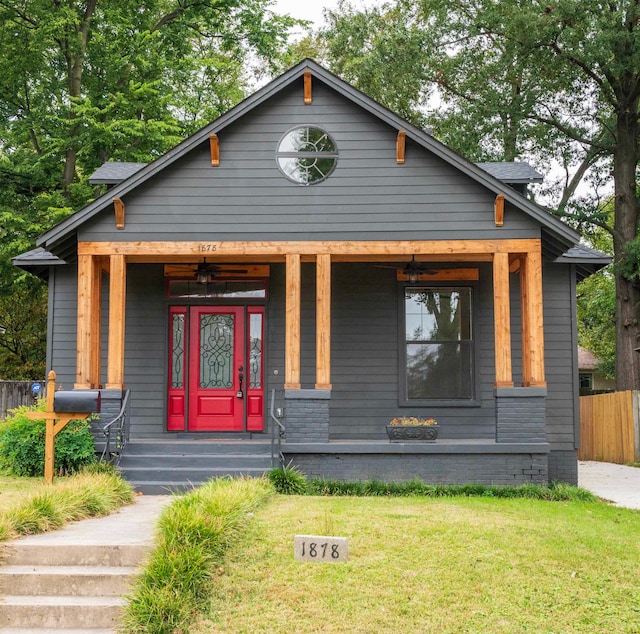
<point>319,549</point>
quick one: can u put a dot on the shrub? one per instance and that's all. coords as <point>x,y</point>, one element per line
<point>288,480</point>
<point>22,445</point>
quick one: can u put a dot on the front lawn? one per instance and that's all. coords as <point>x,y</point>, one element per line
<point>14,489</point>
<point>454,565</point>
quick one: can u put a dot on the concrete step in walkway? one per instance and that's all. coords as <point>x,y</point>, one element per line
<point>74,579</point>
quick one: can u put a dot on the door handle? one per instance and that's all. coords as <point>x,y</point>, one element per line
<point>239,393</point>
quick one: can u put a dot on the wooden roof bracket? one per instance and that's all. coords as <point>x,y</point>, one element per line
<point>400,146</point>
<point>214,145</point>
<point>498,208</point>
<point>307,88</point>
<point>119,208</point>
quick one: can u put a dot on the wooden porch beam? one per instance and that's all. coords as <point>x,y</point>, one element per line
<point>86,323</point>
<point>214,147</point>
<point>292,323</point>
<point>323,322</point>
<point>533,374</point>
<point>117,305</point>
<point>308,100</point>
<point>502,320</point>
<point>470,249</point>
<point>400,146</point>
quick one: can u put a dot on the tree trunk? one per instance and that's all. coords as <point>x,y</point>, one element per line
<point>626,227</point>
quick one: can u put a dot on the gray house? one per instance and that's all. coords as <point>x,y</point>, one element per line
<point>313,259</point>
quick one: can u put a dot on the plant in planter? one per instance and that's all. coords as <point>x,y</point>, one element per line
<point>409,428</point>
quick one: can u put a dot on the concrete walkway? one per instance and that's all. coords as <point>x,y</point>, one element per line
<point>132,525</point>
<point>73,580</point>
<point>614,482</point>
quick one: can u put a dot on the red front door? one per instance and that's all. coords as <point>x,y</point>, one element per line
<point>221,363</point>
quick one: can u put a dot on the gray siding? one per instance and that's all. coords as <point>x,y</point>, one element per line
<point>559,342</point>
<point>368,196</point>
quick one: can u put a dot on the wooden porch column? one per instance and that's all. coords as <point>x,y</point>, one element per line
<point>117,304</point>
<point>292,324</point>
<point>532,321</point>
<point>502,320</point>
<point>86,336</point>
<point>323,322</point>
<point>96,322</point>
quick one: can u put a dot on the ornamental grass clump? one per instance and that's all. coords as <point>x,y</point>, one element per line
<point>412,421</point>
<point>78,497</point>
<point>193,534</point>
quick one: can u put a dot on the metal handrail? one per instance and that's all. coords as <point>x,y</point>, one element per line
<point>276,438</point>
<point>119,430</point>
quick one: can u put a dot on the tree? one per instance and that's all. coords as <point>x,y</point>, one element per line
<point>85,82</point>
<point>555,81</point>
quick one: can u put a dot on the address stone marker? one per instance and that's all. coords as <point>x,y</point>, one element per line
<point>320,549</point>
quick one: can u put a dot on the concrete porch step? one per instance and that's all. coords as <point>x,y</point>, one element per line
<point>234,461</point>
<point>69,612</point>
<point>193,447</point>
<point>65,580</point>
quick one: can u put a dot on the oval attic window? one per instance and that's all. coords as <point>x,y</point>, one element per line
<point>307,155</point>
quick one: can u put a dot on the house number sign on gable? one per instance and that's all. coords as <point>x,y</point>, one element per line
<point>322,550</point>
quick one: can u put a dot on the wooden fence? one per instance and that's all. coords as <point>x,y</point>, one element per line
<point>609,427</point>
<point>13,394</point>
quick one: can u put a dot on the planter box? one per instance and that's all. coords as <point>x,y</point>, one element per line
<point>407,433</point>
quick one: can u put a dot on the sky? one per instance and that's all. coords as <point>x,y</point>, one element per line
<point>312,9</point>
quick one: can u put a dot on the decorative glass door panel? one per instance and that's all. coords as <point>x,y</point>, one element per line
<point>255,370</point>
<point>216,369</point>
<point>216,373</point>
<point>177,368</point>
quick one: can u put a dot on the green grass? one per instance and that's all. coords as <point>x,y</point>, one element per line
<point>445,565</point>
<point>13,489</point>
<point>33,507</point>
<point>194,533</point>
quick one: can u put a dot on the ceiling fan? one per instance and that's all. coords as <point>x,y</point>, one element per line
<point>203,272</point>
<point>207,271</point>
<point>412,269</point>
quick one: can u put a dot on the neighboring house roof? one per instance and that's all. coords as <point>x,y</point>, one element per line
<point>62,236</point>
<point>114,172</point>
<point>513,172</point>
<point>587,360</point>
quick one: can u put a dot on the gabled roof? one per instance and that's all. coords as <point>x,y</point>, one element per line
<point>64,230</point>
<point>37,261</point>
<point>586,260</point>
<point>513,172</point>
<point>114,172</point>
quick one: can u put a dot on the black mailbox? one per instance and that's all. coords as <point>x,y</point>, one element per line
<point>81,401</point>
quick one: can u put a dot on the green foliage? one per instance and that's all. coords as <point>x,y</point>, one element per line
<point>288,480</point>
<point>22,445</point>
<point>194,533</point>
<point>82,83</point>
<point>78,497</point>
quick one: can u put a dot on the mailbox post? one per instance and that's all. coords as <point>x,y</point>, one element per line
<point>58,415</point>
